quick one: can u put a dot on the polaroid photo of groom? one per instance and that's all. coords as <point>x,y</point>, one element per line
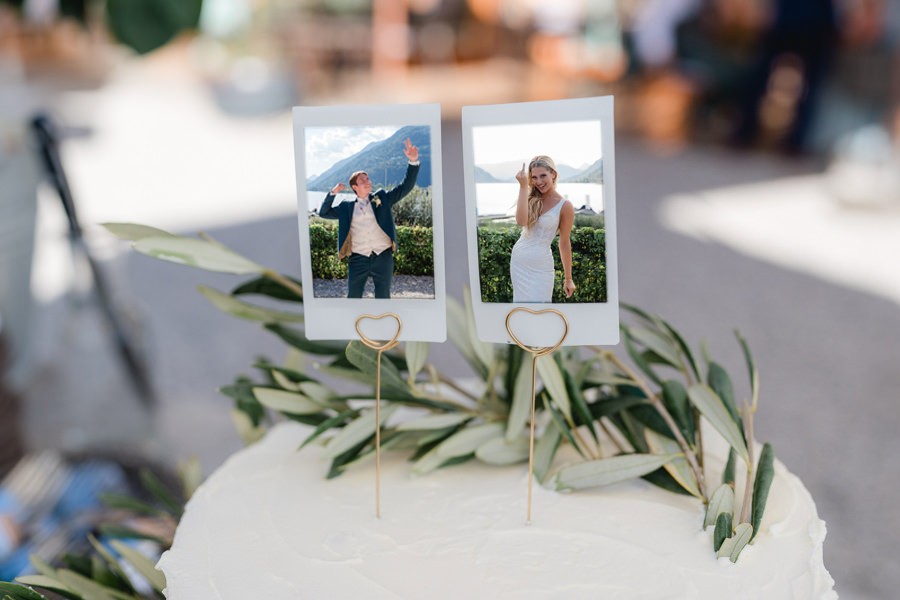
<point>541,220</point>
<point>370,212</point>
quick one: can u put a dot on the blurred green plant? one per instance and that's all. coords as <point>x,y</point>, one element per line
<point>114,569</point>
<point>142,25</point>
<point>623,420</point>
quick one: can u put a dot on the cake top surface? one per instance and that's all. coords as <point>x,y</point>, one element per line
<point>268,524</point>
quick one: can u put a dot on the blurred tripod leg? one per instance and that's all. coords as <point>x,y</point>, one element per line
<point>135,365</point>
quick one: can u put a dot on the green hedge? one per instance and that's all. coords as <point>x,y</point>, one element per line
<point>415,209</point>
<point>414,256</point>
<point>588,264</point>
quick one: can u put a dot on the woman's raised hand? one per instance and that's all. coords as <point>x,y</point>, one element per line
<point>522,177</point>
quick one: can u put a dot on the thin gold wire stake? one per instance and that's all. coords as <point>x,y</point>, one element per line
<point>380,348</point>
<point>536,353</point>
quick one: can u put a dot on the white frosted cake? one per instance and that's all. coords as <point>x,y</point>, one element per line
<point>269,525</point>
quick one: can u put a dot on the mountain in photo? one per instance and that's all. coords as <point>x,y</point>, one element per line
<point>590,174</point>
<point>384,161</point>
<point>503,171</point>
<point>506,171</point>
<point>482,176</point>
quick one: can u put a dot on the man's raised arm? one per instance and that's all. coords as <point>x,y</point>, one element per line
<point>412,173</point>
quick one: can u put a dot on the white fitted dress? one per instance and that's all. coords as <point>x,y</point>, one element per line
<point>531,263</point>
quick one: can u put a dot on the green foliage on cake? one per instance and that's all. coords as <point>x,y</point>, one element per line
<point>648,409</point>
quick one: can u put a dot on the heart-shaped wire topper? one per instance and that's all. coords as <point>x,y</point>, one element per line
<point>374,344</point>
<point>537,350</point>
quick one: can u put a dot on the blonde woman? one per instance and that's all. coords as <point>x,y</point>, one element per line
<point>542,212</point>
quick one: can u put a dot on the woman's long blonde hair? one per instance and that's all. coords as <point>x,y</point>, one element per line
<point>534,196</point>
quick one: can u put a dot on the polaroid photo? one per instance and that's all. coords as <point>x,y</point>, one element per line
<point>370,213</point>
<point>541,220</point>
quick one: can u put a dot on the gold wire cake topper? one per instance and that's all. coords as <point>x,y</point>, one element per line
<point>380,348</point>
<point>536,352</point>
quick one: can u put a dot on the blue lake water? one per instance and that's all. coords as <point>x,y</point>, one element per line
<point>500,198</point>
<point>314,199</point>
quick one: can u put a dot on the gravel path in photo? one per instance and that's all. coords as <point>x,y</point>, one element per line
<point>404,286</point>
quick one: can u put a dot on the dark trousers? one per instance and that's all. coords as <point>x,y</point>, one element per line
<point>380,267</point>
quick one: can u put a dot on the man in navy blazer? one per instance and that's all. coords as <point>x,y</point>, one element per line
<point>367,236</point>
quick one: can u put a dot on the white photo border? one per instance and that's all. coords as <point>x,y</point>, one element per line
<point>335,318</point>
<point>588,323</point>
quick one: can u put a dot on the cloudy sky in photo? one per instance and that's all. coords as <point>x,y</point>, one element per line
<point>327,145</point>
<point>573,143</point>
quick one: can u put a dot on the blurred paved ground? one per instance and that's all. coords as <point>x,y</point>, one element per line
<point>826,353</point>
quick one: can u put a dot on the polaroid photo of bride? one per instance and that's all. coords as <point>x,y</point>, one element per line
<point>540,214</point>
<point>370,212</point>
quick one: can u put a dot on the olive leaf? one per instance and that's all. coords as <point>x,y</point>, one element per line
<point>685,349</point>
<point>283,381</point>
<point>500,451</point>
<point>579,405</point>
<point>82,586</point>
<point>114,565</point>
<point>357,431</point>
<point>317,392</point>
<point>728,472</point>
<point>678,468</point>
<point>365,359</point>
<point>431,422</point>
<point>723,529</point>
<point>733,546</point>
<point>560,423</point>
<point>46,582</point>
<point>720,382</point>
<point>765,472</point>
<point>160,492</point>
<point>129,503</point>
<point>662,347</point>
<point>459,444</point>
<point>143,565</point>
<point>545,450</point>
<point>483,350</point>
<point>675,399</point>
<point>751,368</point>
<point>458,325</point>
<point>520,409</point>
<point>266,286</point>
<point>606,471</point>
<point>594,377</point>
<point>19,592</point>
<point>416,356</point>
<point>246,429</point>
<point>245,310</point>
<point>286,402</point>
<point>711,406</point>
<point>637,357</point>
<point>335,421</point>
<point>133,232</point>
<point>554,383</point>
<point>296,339</point>
<point>194,252</point>
<point>722,501</point>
